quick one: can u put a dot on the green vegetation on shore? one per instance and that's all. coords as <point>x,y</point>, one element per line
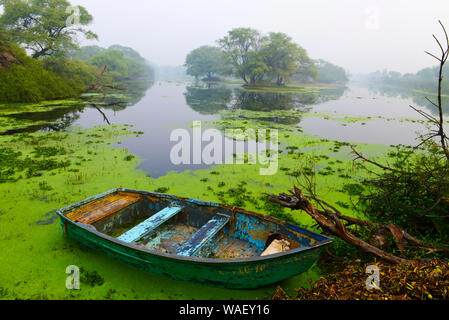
<point>25,79</point>
<point>57,67</point>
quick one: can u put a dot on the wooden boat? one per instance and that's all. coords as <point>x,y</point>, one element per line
<point>189,239</point>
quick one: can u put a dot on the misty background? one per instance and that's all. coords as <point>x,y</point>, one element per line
<point>359,36</point>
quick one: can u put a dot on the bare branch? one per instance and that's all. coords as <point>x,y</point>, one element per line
<point>433,103</point>
<point>433,56</point>
<point>102,113</point>
<point>360,156</point>
<point>445,33</point>
<point>439,44</point>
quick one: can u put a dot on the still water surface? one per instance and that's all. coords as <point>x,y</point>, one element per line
<point>168,105</point>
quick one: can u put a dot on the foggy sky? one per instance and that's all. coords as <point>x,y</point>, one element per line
<point>359,35</point>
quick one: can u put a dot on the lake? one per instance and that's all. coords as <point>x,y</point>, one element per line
<point>167,106</point>
<point>352,113</point>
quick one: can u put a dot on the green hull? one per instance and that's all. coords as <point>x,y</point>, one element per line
<point>231,273</point>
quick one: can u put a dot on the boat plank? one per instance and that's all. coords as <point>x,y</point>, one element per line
<point>202,236</point>
<point>150,224</point>
<point>102,208</point>
<point>228,259</point>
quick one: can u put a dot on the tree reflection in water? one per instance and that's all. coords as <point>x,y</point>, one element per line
<point>211,99</point>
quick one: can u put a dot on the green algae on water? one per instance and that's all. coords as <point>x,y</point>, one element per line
<point>34,254</point>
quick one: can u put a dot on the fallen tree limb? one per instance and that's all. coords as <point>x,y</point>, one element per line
<point>331,224</point>
<point>102,113</point>
<point>361,156</point>
<point>97,86</point>
<point>331,221</point>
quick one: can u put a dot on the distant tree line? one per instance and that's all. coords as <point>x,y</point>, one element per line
<point>424,79</point>
<point>247,54</point>
<point>55,67</point>
<point>330,73</point>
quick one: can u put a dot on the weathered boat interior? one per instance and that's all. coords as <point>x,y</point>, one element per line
<point>185,227</point>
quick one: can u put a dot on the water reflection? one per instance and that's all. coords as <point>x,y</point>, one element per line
<point>269,101</point>
<point>58,119</point>
<point>211,99</point>
<point>61,118</point>
<point>382,117</point>
<point>418,98</point>
<point>168,106</point>
<point>208,99</point>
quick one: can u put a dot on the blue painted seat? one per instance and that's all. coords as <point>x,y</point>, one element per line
<point>149,225</point>
<point>202,236</point>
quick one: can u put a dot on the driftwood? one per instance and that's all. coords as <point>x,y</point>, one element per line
<point>333,222</point>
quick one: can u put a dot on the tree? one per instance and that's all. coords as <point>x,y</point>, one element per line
<point>412,192</point>
<point>256,67</point>
<point>45,27</point>
<point>254,57</point>
<point>241,47</point>
<point>129,52</point>
<point>85,53</point>
<point>121,67</point>
<point>307,68</point>
<point>4,38</point>
<point>330,73</point>
<point>24,79</point>
<point>284,58</point>
<point>206,60</point>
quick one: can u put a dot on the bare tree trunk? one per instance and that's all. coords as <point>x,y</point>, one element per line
<point>440,121</point>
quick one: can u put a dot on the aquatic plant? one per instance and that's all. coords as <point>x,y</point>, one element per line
<point>91,278</point>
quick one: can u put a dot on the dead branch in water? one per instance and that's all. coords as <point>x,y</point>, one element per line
<point>102,113</point>
<point>97,86</point>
